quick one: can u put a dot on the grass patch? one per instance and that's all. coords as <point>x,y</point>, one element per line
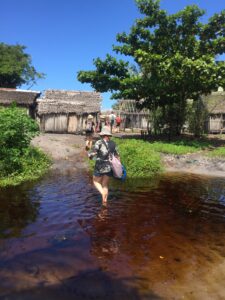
<point>140,161</point>
<point>142,158</point>
<point>177,148</point>
<point>219,152</point>
<point>173,147</point>
<point>35,163</point>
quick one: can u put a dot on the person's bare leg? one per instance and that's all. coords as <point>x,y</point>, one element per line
<point>90,143</point>
<point>105,188</point>
<point>97,181</point>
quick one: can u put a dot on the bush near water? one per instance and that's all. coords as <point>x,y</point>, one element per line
<point>18,160</point>
<point>142,158</point>
<point>139,159</point>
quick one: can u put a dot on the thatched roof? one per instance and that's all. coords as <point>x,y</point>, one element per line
<point>21,97</point>
<point>129,107</point>
<point>62,101</point>
<point>215,102</point>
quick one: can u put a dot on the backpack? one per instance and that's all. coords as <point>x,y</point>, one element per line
<point>116,166</point>
<point>119,171</point>
<point>118,120</point>
<point>89,127</point>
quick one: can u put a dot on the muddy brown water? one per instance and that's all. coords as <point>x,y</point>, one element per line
<point>156,239</point>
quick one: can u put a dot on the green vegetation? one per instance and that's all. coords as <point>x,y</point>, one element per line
<point>18,160</point>
<point>219,152</point>
<point>139,159</point>
<point>163,73</point>
<point>179,147</point>
<point>174,147</point>
<point>142,158</point>
<point>34,164</point>
<point>16,67</point>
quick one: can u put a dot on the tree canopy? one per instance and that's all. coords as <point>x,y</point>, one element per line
<point>175,59</point>
<point>16,67</point>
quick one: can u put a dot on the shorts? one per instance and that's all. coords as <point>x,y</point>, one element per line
<point>89,133</point>
<point>97,174</point>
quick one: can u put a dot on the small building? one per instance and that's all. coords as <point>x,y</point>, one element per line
<point>132,117</point>
<point>66,111</point>
<point>215,104</point>
<point>23,98</point>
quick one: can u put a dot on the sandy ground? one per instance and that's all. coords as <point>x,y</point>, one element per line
<point>197,163</point>
<point>67,152</point>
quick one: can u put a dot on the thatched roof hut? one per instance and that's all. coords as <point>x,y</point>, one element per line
<point>62,101</point>
<point>215,104</point>
<point>22,98</point>
<point>132,116</point>
<point>66,111</point>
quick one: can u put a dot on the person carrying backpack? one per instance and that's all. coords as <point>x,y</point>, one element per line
<point>89,132</point>
<point>112,118</point>
<point>103,169</point>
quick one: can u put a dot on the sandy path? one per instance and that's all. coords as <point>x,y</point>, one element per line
<point>196,163</point>
<point>66,150</point>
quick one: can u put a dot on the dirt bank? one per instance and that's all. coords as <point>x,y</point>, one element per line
<point>196,163</point>
<point>67,152</point>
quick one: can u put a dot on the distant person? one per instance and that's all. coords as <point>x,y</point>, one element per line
<point>102,169</point>
<point>112,118</point>
<point>118,122</point>
<point>89,131</point>
<point>101,122</point>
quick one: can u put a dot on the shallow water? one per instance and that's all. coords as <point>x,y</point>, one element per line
<point>156,239</point>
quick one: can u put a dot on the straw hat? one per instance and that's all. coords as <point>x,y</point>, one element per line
<point>105,131</point>
<point>90,117</point>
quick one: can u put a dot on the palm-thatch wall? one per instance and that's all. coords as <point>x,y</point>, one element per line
<point>67,111</point>
<point>131,116</point>
<point>22,98</point>
<point>215,104</point>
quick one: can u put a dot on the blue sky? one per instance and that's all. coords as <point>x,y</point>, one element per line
<point>64,37</point>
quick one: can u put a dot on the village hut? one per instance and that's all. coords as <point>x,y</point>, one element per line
<point>132,117</point>
<point>215,105</point>
<point>66,111</point>
<point>23,98</point>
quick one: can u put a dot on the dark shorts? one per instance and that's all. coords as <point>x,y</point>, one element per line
<point>97,174</point>
<point>89,133</point>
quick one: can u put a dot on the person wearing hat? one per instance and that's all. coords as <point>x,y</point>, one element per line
<point>89,131</point>
<point>102,169</point>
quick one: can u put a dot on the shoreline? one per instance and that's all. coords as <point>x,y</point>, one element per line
<point>68,153</point>
<point>195,163</point>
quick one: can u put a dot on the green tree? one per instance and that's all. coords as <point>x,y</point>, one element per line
<point>16,67</point>
<point>175,59</point>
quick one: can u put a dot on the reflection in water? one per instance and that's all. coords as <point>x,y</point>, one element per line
<point>16,211</point>
<point>166,236</point>
<point>104,243</point>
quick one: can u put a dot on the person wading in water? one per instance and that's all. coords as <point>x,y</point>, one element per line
<point>102,169</point>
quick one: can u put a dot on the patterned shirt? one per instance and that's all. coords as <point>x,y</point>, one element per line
<point>103,149</point>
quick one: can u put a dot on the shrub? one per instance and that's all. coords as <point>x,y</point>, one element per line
<point>139,159</point>
<point>16,131</point>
